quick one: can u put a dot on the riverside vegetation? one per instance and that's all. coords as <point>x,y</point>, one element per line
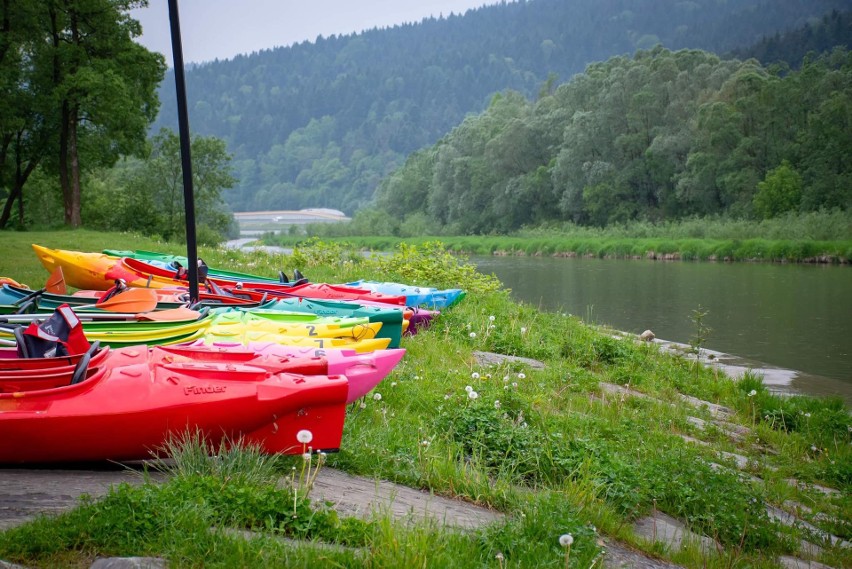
<point>551,447</point>
<point>823,236</point>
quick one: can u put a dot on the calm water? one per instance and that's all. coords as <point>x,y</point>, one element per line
<point>796,317</point>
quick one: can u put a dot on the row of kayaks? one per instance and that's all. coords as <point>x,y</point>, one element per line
<point>86,376</point>
<point>99,271</point>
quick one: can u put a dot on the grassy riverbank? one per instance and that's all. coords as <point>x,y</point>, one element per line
<point>602,437</point>
<point>816,237</point>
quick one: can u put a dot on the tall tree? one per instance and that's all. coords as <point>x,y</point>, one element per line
<point>24,130</point>
<point>105,87</point>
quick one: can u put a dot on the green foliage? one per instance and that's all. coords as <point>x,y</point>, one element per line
<point>80,90</point>
<point>323,123</point>
<point>701,137</point>
<point>780,192</point>
<point>147,195</point>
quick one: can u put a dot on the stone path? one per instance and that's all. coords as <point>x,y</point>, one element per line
<point>26,494</point>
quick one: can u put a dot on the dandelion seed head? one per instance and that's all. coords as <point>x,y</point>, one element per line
<point>363,405</point>
<point>523,329</point>
<point>473,334</point>
<point>752,393</point>
<point>468,388</point>
<point>304,436</point>
<point>514,384</point>
<point>492,318</point>
<point>474,375</point>
<point>306,457</point>
<point>496,403</point>
<point>473,394</point>
<point>393,384</point>
<point>566,539</point>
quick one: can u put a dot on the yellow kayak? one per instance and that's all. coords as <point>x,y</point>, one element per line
<point>318,327</point>
<point>229,334</point>
<point>93,271</point>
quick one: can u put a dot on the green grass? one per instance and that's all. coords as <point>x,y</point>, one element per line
<point>549,448</point>
<point>823,236</point>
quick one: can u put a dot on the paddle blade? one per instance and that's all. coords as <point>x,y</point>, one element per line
<point>130,300</point>
<point>56,282</point>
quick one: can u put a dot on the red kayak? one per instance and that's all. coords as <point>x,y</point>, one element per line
<point>363,370</point>
<point>318,291</point>
<point>128,413</point>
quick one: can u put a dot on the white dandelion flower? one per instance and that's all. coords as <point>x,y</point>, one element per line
<point>473,394</point>
<point>474,375</point>
<point>473,334</point>
<point>566,539</point>
<point>468,388</point>
<point>304,436</point>
<point>377,396</point>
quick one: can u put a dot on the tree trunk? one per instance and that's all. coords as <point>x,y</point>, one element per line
<point>16,193</point>
<point>64,180</point>
<point>74,173</point>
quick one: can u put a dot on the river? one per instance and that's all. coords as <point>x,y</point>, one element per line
<point>793,321</point>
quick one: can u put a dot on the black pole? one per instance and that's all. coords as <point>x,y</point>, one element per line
<point>185,155</point>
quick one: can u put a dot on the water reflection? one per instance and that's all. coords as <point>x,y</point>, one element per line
<point>788,316</point>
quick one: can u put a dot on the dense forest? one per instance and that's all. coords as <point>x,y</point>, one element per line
<point>320,124</point>
<point>659,135</point>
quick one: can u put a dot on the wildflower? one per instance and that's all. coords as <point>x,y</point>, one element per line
<point>566,539</point>
<point>496,403</point>
<point>473,394</point>
<point>304,436</point>
<point>377,396</point>
<point>473,334</point>
<point>492,318</point>
<point>523,329</point>
<point>474,375</point>
<point>752,393</point>
<point>468,388</point>
<point>363,405</point>
<point>522,376</point>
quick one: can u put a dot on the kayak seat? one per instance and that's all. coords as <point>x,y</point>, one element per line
<point>83,365</point>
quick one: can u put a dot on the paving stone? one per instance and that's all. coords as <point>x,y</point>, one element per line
<point>129,563</point>
<point>670,531</point>
<point>490,358</point>
<point>795,563</point>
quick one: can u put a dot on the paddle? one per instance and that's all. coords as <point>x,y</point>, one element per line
<point>130,300</point>
<point>56,282</point>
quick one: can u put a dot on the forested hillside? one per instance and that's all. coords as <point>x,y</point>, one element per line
<point>322,123</point>
<point>791,47</point>
<point>659,135</point>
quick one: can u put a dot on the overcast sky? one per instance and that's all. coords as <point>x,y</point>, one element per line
<point>221,29</point>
